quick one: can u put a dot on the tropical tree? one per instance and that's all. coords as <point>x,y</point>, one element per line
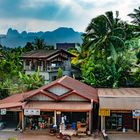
<point>32,81</point>
<point>39,44</point>
<point>135,16</point>
<point>107,64</point>
<point>59,73</point>
<point>105,35</point>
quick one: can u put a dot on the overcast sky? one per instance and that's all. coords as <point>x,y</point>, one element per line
<point>47,15</point>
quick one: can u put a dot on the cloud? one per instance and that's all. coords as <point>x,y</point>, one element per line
<point>34,9</point>
<point>35,15</point>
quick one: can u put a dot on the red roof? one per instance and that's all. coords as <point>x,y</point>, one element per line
<point>75,87</point>
<point>12,99</point>
<point>61,106</point>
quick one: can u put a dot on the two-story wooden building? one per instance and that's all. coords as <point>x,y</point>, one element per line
<point>48,61</point>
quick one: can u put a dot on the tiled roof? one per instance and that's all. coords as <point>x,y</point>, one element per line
<point>12,99</point>
<point>61,106</point>
<point>11,105</point>
<point>43,53</point>
<point>75,86</point>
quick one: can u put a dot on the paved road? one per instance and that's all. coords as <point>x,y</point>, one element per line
<point>34,136</point>
<point>124,136</point>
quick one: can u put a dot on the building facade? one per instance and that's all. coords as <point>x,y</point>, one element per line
<point>47,105</point>
<point>48,61</point>
<point>120,103</point>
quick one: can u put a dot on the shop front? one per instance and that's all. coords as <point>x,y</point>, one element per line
<point>118,121</point>
<point>64,101</point>
<point>120,103</point>
<point>43,115</point>
<point>36,119</point>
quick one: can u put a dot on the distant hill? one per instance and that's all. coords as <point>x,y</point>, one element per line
<point>61,35</point>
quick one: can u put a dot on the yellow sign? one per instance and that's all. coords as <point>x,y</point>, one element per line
<point>104,112</point>
<point>58,112</point>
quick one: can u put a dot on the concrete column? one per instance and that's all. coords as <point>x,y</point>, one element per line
<point>23,125</point>
<point>55,117</point>
<point>30,65</point>
<point>138,125</point>
<point>90,121</point>
<point>102,122</point>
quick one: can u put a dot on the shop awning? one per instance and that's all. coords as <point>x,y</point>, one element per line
<point>10,105</point>
<point>60,106</point>
<point>119,99</point>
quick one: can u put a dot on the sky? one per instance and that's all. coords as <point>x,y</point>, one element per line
<point>47,15</point>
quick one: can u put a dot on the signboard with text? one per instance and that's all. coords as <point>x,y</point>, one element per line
<point>3,111</point>
<point>136,113</point>
<point>31,112</point>
<point>104,112</point>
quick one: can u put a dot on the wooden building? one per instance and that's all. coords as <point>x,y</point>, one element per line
<point>48,61</point>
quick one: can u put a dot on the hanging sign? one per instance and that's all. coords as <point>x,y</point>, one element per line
<point>3,111</point>
<point>136,113</point>
<point>31,112</point>
<point>104,112</point>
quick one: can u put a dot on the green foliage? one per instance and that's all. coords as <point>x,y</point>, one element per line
<point>32,81</point>
<point>111,58</point>
<point>59,73</point>
<point>135,16</point>
<point>3,93</point>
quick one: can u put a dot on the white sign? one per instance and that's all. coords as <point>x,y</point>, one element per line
<point>136,113</point>
<point>29,112</point>
<point>3,112</point>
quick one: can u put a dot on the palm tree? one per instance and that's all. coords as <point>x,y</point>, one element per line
<point>105,35</point>
<point>135,16</point>
<point>39,44</point>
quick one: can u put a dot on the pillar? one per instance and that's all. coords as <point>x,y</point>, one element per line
<point>55,117</point>
<point>102,122</point>
<point>138,125</point>
<point>23,125</point>
<point>90,121</point>
<point>30,65</point>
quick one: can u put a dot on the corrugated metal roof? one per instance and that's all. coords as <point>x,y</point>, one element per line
<point>120,92</point>
<point>119,99</point>
<point>60,106</point>
<point>118,103</point>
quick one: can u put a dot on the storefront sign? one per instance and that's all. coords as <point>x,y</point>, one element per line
<point>58,112</point>
<point>136,113</point>
<point>29,112</point>
<point>3,111</point>
<point>104,112</point>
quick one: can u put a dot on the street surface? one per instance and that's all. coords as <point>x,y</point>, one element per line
<point>37,136</point>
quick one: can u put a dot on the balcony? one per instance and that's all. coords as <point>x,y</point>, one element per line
<point>43,69</point>
<point>52,68</point>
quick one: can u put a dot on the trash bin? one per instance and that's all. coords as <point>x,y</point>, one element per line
<point>73,125</point>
